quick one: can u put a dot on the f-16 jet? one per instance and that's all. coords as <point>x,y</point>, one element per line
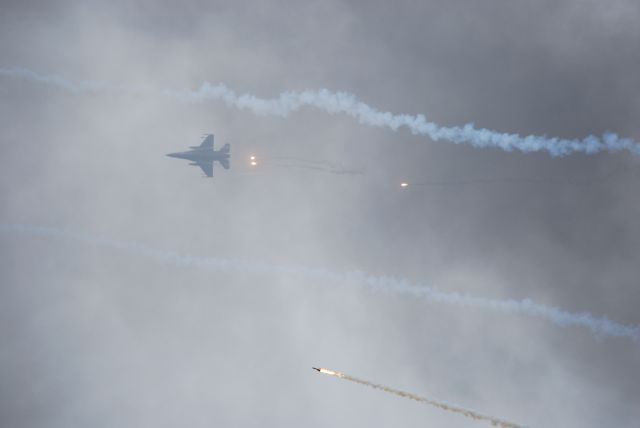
<point>204,155</point>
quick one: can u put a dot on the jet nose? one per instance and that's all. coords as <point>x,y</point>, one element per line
<point>173,155</point>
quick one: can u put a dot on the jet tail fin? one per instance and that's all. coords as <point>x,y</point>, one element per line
<point>225,148</point>
<point>224,163</point>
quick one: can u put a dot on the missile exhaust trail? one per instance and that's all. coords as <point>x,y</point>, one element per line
<point>348,104</point>
<point>396,286</point>
<point>466,412</point>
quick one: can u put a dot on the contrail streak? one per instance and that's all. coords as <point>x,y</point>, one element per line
<point>468,413</point>
<point>346,103</point>
<point>598,326</point>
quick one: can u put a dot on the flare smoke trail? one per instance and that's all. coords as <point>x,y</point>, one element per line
<point>443,406</point>
<point>598,326</point>
<point>319,168</point>
<point>585,182</point>
<point>346,103</point>
<point>311,165</point>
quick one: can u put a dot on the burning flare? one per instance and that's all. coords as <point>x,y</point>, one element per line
<point>443,406</point>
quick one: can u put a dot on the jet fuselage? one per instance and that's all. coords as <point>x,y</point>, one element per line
<point>204,155</point>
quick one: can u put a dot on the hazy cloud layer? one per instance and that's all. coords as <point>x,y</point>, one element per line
<point>94,336</point>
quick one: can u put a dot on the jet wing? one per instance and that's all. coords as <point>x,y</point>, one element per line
<point>207,143</point>
<point>224,162</point>
<point>207,167</point>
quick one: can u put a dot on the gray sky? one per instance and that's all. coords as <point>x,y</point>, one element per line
<point>94,335</point>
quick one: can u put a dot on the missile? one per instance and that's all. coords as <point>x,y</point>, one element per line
<point>327,371</point>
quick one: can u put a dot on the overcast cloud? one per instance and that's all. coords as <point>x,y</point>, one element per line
<point>99,335</point>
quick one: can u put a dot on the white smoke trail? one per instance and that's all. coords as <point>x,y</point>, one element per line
<point>466,412</point>
<point>346,103</point>
<point>85,86</point>
<point>599,326</point>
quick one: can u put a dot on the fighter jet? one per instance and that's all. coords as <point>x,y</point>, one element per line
<point>204,155</point>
